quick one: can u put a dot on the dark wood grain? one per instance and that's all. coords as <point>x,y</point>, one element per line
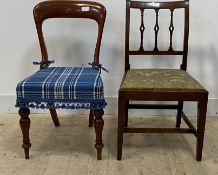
<point>154,94</point>
<point>121,122</point>
<point>171,29</point>
<point>156,6</point>
<point>179,114</point>
<point>91,118</point>
<point>142,29</point>
<point>25,127</point>
<point>54,117</point>
<point>69,9</point>
<point>98,124</point>
<point>159,130</point>
<point>66,9</point>
<point>201,114</point>
<point>156,29</point>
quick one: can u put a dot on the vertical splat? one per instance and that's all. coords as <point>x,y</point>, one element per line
<point>142,29</point>
<point>156,29</point>
<point>171,29</point>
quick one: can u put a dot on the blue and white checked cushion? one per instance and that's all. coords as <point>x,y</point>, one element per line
<point>62,87</point>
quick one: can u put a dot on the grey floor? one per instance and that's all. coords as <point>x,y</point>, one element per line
<point>69,149</point>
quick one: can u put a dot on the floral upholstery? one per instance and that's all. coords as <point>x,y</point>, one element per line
<point>163,79</point>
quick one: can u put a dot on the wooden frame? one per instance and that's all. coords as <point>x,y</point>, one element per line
<point>67,9</point>
<point>125,96</point>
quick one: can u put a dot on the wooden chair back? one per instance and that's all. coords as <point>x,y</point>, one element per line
<point>69,9</point>
<point>157,6</point>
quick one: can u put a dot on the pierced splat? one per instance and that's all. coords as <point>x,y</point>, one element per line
<point>156,8</point>
<point>156,29</point>
<point>171,29</point>
<point>142,29</point>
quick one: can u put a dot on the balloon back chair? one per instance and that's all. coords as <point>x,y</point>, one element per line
<point>160,84</point>
<point>64,87</point>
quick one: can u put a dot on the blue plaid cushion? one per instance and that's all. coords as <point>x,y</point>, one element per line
<point>62,87</point>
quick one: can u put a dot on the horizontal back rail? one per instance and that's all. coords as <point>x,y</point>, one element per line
<point>136,52</point>
<point>158,5</point>
<point>69,9</point>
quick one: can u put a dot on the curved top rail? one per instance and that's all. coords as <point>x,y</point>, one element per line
<point>69,9</point>
<point>159,5</point>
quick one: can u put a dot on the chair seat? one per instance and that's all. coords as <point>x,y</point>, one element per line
<point>62,87</point>
<point>159,79</point>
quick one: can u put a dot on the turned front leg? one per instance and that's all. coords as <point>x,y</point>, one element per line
<point>25,126</point>
<point>98,124</point>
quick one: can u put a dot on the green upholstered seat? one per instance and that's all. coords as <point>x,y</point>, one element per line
<point>159,79</point>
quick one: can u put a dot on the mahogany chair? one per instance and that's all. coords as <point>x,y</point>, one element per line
<point>160,84</point>
<point>64,87</point>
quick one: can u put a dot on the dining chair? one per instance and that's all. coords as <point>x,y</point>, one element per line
<point>160,84</point>
<point>64,87</point>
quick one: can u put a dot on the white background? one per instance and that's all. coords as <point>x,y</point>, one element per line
<point>71,42</point>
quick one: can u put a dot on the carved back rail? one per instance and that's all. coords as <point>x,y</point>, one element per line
<point>69,9</point>
<point>157,6</point>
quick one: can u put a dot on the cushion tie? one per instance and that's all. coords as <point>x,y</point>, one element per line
<point>41,63</point>
<point>98,66</point>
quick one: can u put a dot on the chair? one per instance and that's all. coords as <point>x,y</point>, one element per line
<point>160,84</point>
<point>64,87</point>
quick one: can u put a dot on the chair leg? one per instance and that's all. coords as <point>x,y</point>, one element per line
<point>25,126</point>
<point>54,117</point>
<point>179,113</point>
<point>202,110</point>
<point>91,118</point>
<point>126,116</point>
<point>98,124</point>
<point>121,116</point>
